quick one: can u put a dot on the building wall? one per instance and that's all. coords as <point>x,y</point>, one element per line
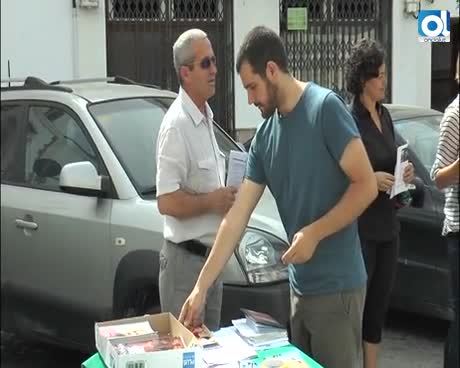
<point>51,40</point>
<point>411,59</point>
<point>247,15</point>
<point>92,46</point>
<point>36,37</point>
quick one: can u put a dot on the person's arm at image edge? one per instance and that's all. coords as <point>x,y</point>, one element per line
<point>445,170</point>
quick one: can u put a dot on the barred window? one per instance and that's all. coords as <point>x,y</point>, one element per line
<point>356,9</point>
<point>135,10</point>
<point>319,53</point>
<point>320,10</point>
<point>314,9</point>
<point>197,9</point>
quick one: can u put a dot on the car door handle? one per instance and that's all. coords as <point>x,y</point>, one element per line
<point>26,224</point>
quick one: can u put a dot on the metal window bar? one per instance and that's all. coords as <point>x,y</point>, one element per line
<point>320,52</point>
<point>140,35</point>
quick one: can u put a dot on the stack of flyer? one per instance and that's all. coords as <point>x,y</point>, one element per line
<point>260,330</point>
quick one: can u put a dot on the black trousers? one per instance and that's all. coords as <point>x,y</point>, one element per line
<point>381,259</point>
<point>451,345</point>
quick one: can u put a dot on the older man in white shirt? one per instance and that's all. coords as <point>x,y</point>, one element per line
<point>190,179</point>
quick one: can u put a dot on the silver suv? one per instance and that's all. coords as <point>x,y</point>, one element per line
<point>81,231</point>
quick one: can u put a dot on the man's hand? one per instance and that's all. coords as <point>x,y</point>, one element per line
<point>409,173</point>
<point>191,311</point>
<point>222,199</point>
<point>302,248</point>
<point>384,180</point>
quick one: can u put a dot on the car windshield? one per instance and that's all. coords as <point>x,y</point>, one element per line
<point>422,133</point>
<point>131,127</point>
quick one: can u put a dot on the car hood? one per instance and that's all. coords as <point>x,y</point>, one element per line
<point>266,216</point>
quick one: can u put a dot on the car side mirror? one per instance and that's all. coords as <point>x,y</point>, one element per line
<point>81,178</point>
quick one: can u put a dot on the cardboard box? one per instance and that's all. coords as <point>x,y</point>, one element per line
<point>164,323</point>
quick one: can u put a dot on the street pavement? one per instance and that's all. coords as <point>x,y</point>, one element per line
<point>410,341</point>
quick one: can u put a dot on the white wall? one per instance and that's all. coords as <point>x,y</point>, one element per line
<point>41,38</point>
<point>36,36</point>
<point>247,15</point>
<point>92,59</point>
<point>411,59</point>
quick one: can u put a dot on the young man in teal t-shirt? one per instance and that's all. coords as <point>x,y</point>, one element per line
<point>309,153</point>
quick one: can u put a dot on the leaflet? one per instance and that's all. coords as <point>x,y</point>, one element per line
<point>236,168</point>
<point>402,160</point>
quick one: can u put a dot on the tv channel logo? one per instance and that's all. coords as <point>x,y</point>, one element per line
<point>434,26</point>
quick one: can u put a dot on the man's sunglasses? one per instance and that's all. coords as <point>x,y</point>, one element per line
<point>206,62</point>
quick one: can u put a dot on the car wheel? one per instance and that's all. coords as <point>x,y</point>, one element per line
<point>142,301</point>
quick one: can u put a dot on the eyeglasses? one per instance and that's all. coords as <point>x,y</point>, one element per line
<point>206,62</point>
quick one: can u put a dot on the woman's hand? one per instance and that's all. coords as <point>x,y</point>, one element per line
<point>384,180</point>
<point>409,173</point>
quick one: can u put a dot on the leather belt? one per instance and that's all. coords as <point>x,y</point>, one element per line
<point>196,247</point>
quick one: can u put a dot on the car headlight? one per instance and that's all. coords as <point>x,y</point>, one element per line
<point>259,253</point>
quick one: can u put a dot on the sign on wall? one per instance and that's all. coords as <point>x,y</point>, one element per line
<point>297,19</point>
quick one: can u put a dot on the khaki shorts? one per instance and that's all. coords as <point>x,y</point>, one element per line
<point>328,327</point>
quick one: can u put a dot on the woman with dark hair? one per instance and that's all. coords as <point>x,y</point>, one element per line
<point>378,225</point>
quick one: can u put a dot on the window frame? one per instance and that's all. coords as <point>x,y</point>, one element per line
<point>102,169</point>
<point>22,127</point>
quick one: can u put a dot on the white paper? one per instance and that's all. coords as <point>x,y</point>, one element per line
<point>267,337</point>
<point>243,328</point>
<point>236,168</point>
<point>402,160</point>
<point>126,329</point>
<point>246,330</point>
<point>232,349</point>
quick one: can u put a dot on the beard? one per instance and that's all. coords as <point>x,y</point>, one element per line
<point>270,107</point>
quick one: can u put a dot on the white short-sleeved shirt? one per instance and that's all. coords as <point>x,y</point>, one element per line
<point>189,159</point>
<point>448,151</point>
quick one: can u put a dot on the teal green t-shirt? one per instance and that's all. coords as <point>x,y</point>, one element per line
<point>297,156</point>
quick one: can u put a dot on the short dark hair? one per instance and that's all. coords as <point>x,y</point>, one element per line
<point>260,46</point>
<point>366,57</point>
